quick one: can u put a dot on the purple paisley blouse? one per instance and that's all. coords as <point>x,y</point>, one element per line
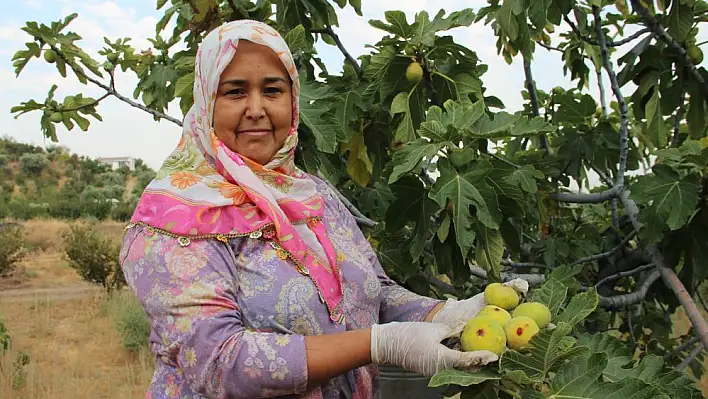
<point>229,320</point>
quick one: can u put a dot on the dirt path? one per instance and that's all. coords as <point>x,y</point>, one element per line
<point>66,293</point>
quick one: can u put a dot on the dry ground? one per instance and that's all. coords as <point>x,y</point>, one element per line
<point>68,328</point>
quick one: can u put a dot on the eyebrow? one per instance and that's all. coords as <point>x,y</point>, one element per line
<point>267,79</point>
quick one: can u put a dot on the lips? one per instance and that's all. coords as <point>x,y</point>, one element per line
<point>255,132</point>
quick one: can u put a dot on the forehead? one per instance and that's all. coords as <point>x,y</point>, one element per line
<point>254,60</point>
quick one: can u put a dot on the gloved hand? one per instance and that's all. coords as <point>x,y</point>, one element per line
<point>459,311</point>
<point>416,346</point>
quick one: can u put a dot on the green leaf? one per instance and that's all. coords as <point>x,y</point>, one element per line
<point>552,294</point>
<point>680,20</point>
<point>617,352</point>
<point>505,124</point>
<point>525,177</point>
<point>696,115</point>
<point>397,24</point>
<point>405,159</point>
<point>577,376</point>
<point>297,40</point>
<point>402,104</point>
<point>459,187</point>
<point>655,121</point>
<point>573,111</point>
<point>184,85</point>
<point>647,370</point>
<point>487,391</point>
<point>489,251</point>
<point>578,380</point>
<point>22,57</point>
<point>546,352</point>
<point>462,378</point>
<point>506,18</point>
<point>580,307</point>
<point>673,198</point>
<point>312,113</point>
<point>158,84</point>
<point>425,30</point>
<point>411,204</point>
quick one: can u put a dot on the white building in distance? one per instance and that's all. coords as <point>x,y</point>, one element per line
<point>117,162</point>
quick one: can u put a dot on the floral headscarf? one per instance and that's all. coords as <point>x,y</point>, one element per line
<point>204,190</point>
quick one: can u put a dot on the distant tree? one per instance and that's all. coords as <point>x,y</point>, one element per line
<point>33,164</point>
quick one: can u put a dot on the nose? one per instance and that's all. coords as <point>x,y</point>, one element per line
<point>254,107</point>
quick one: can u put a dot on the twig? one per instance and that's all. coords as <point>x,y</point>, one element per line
<point>594,198</point>
<point>498,158</point>
<point>601,88</point>
<point>679,113</point>
<point>606,254</point>
<point>625,274</point>
<point>631,328</point>
<point>610,43</point>
<point>624,119</point>
<point>659,31</point>
<point>329,31</point>
<point>532,279</point>
<point>444,287</point>
<point>551,48</point>
<point>92,104</point>
<point>112,91</point>
<point>533,96</point>
<point>620,301</point>
<point>690,358</point>
<point>524,264</point>
<point>681,348</point>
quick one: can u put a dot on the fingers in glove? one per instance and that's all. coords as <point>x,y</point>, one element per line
<point>469,359</point>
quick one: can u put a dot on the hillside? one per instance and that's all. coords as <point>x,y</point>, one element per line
<point>52,182</point>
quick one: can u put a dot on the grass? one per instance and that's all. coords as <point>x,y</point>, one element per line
<point>75,349</point>
<point>77,346</point>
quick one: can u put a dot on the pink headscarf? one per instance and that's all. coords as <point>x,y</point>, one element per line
<point>205,190</point>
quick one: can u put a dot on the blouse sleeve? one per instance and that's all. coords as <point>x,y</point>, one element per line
<point>189,296</point>
<point>397,302</point>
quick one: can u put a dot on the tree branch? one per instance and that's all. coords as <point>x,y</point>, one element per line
<point>610,43</point>
<point>625,274</point>
<point>624,119</point>
<point>606,254</point>
<point>524,264</point>
<point>680,112</point>
<point>594,198</point>
<point>533,279</point>
<point>690,358</point>
<point>111,90</point>
<point>92,104</point>
<point>533,97</point>
<point>681,348</point>
<point>620,301</point>
<point>659,31</point>
<point>329,31</point>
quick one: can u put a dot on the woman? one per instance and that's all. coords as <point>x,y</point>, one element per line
<point>256,280</point>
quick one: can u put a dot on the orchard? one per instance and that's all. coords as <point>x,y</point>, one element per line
<point>456,192</point>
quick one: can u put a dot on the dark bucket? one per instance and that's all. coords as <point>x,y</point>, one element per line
<point>396,382</point>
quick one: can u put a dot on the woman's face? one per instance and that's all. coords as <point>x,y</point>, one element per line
<point>253,107</point>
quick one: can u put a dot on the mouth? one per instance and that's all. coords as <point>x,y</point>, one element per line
<point>254,132</point>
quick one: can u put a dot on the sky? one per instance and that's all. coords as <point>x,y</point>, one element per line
<point>127,131</point>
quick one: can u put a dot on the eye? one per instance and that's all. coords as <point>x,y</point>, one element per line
<point>235,92</point>
<point>273,90</point>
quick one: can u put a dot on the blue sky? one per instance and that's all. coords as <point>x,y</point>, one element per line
<point>127,131</point>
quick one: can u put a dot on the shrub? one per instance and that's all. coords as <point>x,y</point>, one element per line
<point>132,323</point>
<point>33,164</point>
<point>94,257</point>
<point>12,249</point>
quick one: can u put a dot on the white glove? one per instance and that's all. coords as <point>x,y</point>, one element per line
<point>415,346</point>
<point>459,311</point>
